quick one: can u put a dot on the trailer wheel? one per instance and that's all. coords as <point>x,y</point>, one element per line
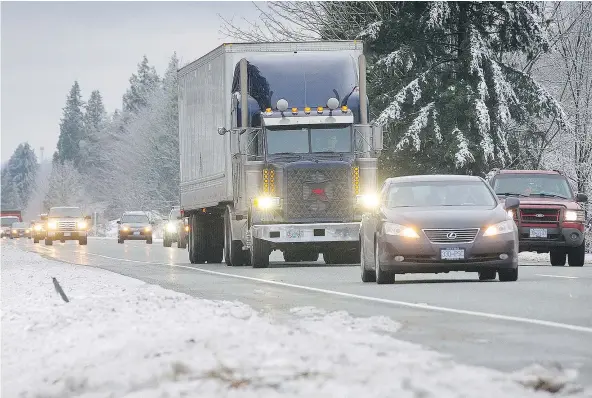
<point>234,255</point>
<point>260,253</point>
<point>197,240</point>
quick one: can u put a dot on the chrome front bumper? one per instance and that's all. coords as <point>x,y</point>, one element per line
<point>307,233</point>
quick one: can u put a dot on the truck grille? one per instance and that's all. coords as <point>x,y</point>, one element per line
<point>451,235</point>
<point>67,225</point>
<point>546,217</point>
<point>318,193</point>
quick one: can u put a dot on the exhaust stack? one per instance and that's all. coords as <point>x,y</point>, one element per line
<point>362,85</point>
<point>244,92</point>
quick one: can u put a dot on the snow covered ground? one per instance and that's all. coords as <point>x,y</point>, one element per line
<point>543,258</point>
<point>122,337</point>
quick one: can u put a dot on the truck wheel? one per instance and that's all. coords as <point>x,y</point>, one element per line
<point>83,241</point>
<point>577,255</point>
<point>48,242</point>
<point>35,240</point>
<point>149,241</point>
<point>166,242</point>
<point>120,240</point>
<point>508,275</point>
<point>260,253</point>
<point>197,240</point>
<point>291,257</point>
<point>234,256</point>
<point>182,244</point>
<point>215,242</point>
<point>557,257</point>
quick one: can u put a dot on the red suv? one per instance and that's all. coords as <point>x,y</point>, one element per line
<point>550,218</point>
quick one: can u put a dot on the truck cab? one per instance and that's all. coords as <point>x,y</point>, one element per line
<point>66,223</point>
<point>551,216</point>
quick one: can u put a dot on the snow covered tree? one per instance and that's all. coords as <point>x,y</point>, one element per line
<point>35,205</point>
<point>66,187</point>
<point>95,119</point>
<point>71,128</point>
<point>18,177</point>
<point>437,75</point>
<point>141,85</point>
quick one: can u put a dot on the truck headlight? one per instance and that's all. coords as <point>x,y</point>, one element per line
<point>82,225</point>
<point>27,230</point>
<point>400,230</point>
<point>147,229</point>
<point>125,228</point>
<point>267,202</point>
<point>577,215</point>
<point>52,225</point>
<point>368,201</point>
<point>37,228</point>
<point>14,231</point>
<point>171,227</point>
<point>503,227</point>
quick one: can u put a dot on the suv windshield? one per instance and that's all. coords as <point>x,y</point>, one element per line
<point>20,225</point>
<point>135,219</point>
<point>66,212</point>
<point>301,139</point>
<point>439,193</point>
<point>552,185</point>
<point>8,221</point>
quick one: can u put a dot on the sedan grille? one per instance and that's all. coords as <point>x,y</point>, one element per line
<point>451,235</point>
<point>67,225</point>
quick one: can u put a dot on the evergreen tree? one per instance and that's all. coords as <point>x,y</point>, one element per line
<point>66,186</point>
<point>142,85</point>
<point>95,119</point>
<point>18,177</point>
<point>71,128</point>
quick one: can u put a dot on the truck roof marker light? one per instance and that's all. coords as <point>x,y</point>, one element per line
<point>344,109</point>
<point>320,109</point>
<point>294,111</point>
<point>268,111</point>
<point>307,110</point>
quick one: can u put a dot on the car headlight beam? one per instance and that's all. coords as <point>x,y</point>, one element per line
<point>400,230</point>
<point>367,201</point>
<point>503,227</point>
<point>171,227</point>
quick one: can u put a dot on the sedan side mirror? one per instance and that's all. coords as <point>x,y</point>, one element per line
<point>512,203</point>
<point>118,221</point>
<point>581,198</point>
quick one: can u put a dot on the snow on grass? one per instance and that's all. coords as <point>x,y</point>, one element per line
<point>122,337</point>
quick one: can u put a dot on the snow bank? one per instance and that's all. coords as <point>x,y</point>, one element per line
<point>529,258</point>
<point>122,337</point>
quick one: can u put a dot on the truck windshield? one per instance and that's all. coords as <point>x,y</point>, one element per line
<point>8,221</point>
<point>525,184</point>
<point>66,212</point>
<point>310,139</point>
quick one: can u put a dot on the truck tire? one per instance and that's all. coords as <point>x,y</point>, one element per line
<point>149,241</point>
<point>234,255</point>
<point>260,253</point>
<point>166,242</point>
<point>35,240</point>
<point>120,240</point>
<point>557,257</point>
<point>577,255</point>
<point>182,244</point>
<point>48,242</point>
<point>215,245</point>
<point>508,275</point>
<point>197,240</point>
<point>83,241</point>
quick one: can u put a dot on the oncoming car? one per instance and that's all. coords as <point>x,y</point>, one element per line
<point>134,225</point>
<point>439,223</point>
<point>66,223</point>
<point>20,230</point>
<point>7,222</point>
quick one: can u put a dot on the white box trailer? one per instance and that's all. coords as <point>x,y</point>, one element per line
<point>205,102</point>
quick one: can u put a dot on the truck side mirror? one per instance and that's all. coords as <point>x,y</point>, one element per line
<point>581,198</point>
<point>512,203</point>
<point>222,130</point>
<point>377,138</point>
<point>44,218</point>
<point>118,221</point>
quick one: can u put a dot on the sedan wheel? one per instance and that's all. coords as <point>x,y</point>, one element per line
<point>382,277</point>
<point>367,275</point>
<point>487,275</point>
<point>508,275</point>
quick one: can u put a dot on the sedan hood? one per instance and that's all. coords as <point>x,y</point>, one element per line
<point>446,216</point>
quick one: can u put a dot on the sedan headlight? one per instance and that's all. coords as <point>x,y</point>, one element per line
<point>82,225</point>
<point>503,227</point>
<point>400,230</point>
<point>266,202</point>
<point>52,225</point>
<point>577,215</point>
<point>171,227</point>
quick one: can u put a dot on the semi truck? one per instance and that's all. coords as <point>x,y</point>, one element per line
<point>276,152</point>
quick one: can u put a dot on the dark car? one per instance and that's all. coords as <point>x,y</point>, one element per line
<point>134,225</point>
<point>439,223</point>
<point>20,230</point>
<point>551,216</point>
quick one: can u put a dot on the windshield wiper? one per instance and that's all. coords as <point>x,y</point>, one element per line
<point>512,194</point>
<point>549,195</point>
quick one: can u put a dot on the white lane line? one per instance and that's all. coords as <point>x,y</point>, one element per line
<point>539,322</point>
<point>559,276</point>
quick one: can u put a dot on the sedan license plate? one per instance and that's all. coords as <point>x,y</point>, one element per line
<point>294,233</point>
<point>137,233</point>
<point>538,233</point>
<point>66,233</point>
<point>452,254</point>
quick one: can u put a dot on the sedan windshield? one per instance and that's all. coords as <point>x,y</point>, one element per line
<point>439,193</point>
<point>135,219</point>
<point>532,185</point>
<point>66,212</point>
<point>8,221</point>
<point>300,139</point>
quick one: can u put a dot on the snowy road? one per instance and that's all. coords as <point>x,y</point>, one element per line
<point>545,317</point>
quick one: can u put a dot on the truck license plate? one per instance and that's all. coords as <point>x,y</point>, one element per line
<point>137,233</point>
<point>538,233</point>
<point>294,233</point>
<point>66,233</point>
<point>452,254</point>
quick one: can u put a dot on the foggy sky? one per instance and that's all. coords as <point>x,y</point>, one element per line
<point>45,46</point>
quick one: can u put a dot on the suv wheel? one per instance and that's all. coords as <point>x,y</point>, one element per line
<point>576,255</point>
<point>558,257</point>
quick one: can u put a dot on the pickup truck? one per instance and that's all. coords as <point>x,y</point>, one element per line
<point>66,223</point>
